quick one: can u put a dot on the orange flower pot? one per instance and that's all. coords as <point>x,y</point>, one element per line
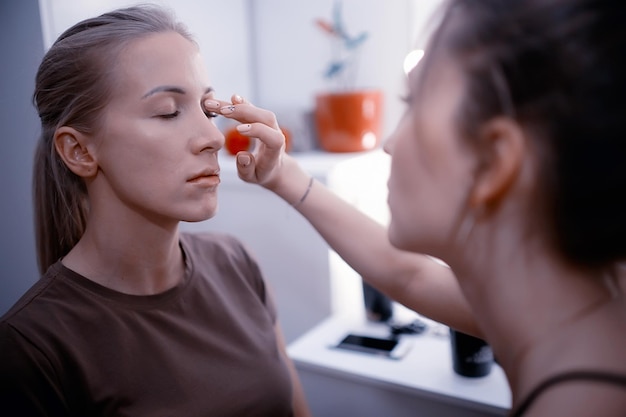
<point>349,121</point>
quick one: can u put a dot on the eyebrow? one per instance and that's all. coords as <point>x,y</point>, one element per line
<point>171,89</point>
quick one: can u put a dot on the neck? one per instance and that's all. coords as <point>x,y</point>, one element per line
<point>524,298</point>
<point>130,257</point>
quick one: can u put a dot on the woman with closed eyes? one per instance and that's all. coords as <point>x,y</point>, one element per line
<point>132,317</point>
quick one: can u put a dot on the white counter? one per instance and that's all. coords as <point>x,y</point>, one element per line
<point>345,383</point>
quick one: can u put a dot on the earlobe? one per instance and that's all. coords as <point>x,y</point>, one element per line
<point>504,144</point>
<point>71,145</point>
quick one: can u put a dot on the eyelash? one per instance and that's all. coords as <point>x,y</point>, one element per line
<point>170,115</point>
<point>210,115</point>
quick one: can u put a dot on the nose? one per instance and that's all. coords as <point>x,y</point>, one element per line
<point>207,136</point>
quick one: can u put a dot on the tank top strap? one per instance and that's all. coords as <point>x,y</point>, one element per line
<point>593,376</point>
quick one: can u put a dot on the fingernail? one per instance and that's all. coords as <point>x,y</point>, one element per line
<point>243,160</point>
<point>211,104</point>
<point>227,109</point>
<point>238,98</point>
<point>244,128</point>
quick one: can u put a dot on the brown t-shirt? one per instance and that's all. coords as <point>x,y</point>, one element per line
<point>70,347</point>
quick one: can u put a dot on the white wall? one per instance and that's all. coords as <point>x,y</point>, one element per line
<point>292,53</point>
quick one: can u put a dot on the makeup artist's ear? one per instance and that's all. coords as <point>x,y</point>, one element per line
<point>503,146</point>
<point>71,145</point>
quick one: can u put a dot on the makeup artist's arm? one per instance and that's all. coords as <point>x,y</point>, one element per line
<point>414,280</point>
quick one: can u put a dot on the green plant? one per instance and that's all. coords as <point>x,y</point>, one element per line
<point>343,66</point>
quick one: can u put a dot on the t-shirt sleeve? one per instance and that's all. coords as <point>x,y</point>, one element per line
<point>27,379</point>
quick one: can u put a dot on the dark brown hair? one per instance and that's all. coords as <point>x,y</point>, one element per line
<point>558,67</point>
<point>72,87</point>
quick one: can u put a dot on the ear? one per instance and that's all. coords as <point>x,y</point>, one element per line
<point>71,145</point>
<point>504,145</point>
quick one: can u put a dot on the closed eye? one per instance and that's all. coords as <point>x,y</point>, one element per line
<point>211,114</point>
<point>170,115</point>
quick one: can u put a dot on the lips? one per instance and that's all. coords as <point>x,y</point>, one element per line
<point>207,178</point>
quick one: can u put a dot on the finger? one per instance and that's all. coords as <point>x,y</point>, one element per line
<point>237,99</point>
<point>243,111</point>
<point>214,105</point>
<point>245,166</point>
<point>247,113</point>
<point>270,137</point>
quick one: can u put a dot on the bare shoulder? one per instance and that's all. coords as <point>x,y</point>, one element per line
<point>584,373</point>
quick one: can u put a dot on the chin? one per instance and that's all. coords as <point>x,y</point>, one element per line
<point>399,239</point>
<point>396,240</point>
<point>199,217</point>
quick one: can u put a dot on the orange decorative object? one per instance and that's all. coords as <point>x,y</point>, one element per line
<point>288,140</point>
<point>349,121</point>
<point>236,142</point>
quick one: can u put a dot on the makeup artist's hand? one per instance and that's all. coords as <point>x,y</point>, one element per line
<point>268,165</point>
<point>262,165</point>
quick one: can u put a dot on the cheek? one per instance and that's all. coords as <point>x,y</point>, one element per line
<point>406,187</point>
<point>134,160</point>
<point>428,183</point>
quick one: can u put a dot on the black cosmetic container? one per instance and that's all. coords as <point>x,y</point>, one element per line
<point>471,357</point>
<point>378,307</point>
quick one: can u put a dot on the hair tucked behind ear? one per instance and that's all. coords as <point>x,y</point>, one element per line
<point>559,68</point>
<point>72,87</point>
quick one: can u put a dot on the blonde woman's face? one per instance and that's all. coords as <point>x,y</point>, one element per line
<point>431,170</point>
<point>157,150</point>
